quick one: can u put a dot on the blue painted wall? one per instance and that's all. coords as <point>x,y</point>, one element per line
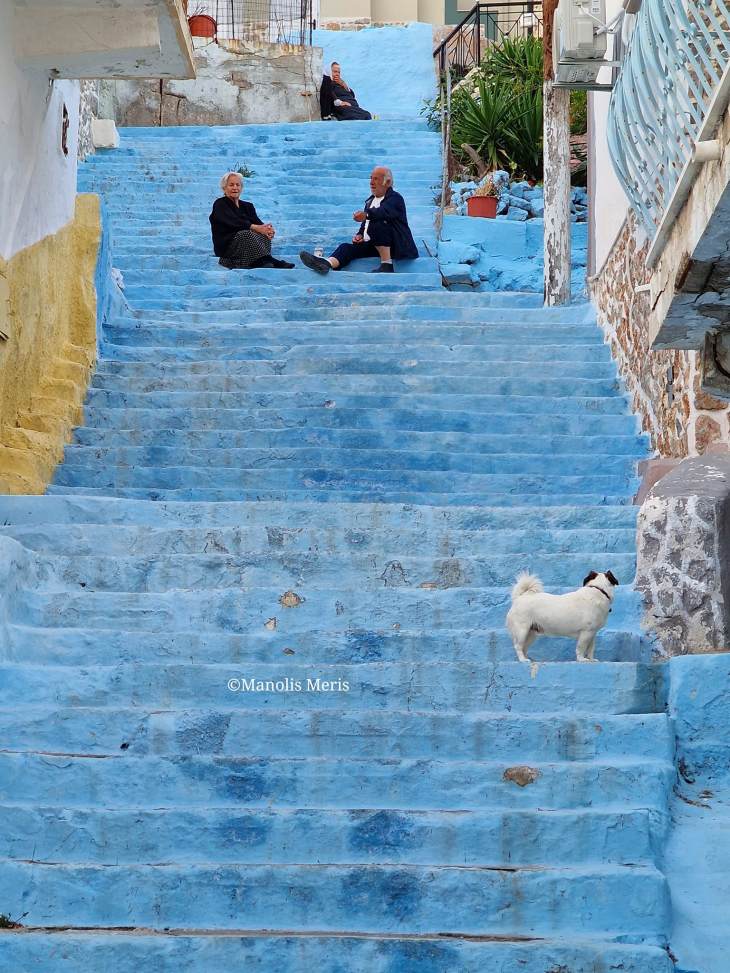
<point>389,68</point>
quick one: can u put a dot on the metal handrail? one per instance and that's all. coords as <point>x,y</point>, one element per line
<point>673,88</point>
<point>467,38</point>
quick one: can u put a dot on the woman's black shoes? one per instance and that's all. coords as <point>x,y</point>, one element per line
<point>318,264</point>
<point>384,269</point>
<point>268,263</point>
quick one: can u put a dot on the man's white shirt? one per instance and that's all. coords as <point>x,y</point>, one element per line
<point>377,200</point>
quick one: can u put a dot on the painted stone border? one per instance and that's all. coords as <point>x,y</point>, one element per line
<point>683,557</point>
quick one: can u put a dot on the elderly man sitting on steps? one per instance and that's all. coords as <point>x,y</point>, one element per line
<point>383,231</point>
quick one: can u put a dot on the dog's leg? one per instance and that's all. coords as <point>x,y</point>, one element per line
<point>591,653</point>
<point>583,645</point>
<point>522,640</point>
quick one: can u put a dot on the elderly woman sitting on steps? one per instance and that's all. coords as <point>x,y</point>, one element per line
<point>240,239</point>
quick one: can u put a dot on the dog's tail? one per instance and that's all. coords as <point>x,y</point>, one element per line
<point>526,583</point>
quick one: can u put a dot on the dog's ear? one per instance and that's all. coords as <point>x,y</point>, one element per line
<point>589,577</point>
<point>612,578</point>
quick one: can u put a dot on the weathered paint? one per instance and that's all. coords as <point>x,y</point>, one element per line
<point>557,260</point>
<point>434,785</point>
<point>46,362</point>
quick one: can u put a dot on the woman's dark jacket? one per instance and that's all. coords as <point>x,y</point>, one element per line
<point>227,219</point>
<point>392,211</point>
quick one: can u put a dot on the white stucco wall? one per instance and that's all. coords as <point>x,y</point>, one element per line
<point>609,205</point>
<point>37,182</point>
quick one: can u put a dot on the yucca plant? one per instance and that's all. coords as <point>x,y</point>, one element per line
<point>516,61</point>
<point>486,122</point>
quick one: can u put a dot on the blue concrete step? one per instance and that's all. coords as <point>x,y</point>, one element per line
<point>335,733</point>
<point>375,899</point>
<point>245,609</point>
<point>229,836</point>
<point>359,494</point>
<point>464,461</point>
<point>77,953</point>
<point>608,784</point>
<point>614,689</point>
<point>331,415</point>
<point>283,477</point>
<point>213,570</point>
<point>34,511</point>
<point>238,376</point>
<point>93,540</point>
<point>86,646</point>
<point>354,438</point>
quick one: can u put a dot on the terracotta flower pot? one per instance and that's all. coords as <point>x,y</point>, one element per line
<point>201,25</point>
<point>482,206</point>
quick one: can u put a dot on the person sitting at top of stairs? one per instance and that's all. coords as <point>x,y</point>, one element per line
<point>337,99</point>
<point>383,231</point>
<point>240,239</point>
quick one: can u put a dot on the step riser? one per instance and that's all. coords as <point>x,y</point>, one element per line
<point>337,495</point>
<point>241,376</point>
<point>231,462</point>
<point>90,540</point>
<point>310,837</point>
<point>284,400</point>
<point>353,438</point>
<point>85,647</point>
<point>426,420</point>
<point>335,733</point>
<point>155,782</point>
<point>242,611</point>
<point>215,571</point>
<point>356,898</point>
<point>67,953</point>
<point>31,511</point>
<point>380,686</point>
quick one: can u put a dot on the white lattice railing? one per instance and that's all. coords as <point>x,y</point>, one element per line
<point>672,91</point>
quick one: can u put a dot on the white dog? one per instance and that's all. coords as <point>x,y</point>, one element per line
<point>579,614</point>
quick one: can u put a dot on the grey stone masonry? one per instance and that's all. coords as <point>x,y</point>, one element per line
<point>683,567</point>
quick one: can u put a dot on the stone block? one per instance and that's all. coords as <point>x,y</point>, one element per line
<point>455,252</point>
<point>516,213</point>
<point>104,133</point>
<point>456,273</point>
<point>515,201</point>
<point>520,188</point>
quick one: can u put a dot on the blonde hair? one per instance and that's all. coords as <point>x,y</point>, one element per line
<point>224,180</point>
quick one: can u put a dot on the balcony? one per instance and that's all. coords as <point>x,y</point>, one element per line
<point>668,130</point>
<point>103,39</point>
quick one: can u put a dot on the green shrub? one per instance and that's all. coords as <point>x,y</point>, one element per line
<point>500,113</point>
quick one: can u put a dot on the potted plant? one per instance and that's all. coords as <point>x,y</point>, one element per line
<point>483,201</point>
<point>200,22</point>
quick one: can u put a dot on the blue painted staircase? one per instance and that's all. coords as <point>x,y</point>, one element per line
<point>327,485</point>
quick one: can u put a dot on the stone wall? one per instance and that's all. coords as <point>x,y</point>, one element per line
<point>234,86</point>
<point>88,109</point>
<point>49,316</point>
<point>683,557</point>
<point>664,385</point>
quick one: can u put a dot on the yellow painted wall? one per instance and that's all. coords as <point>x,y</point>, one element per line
<point>48,311</point>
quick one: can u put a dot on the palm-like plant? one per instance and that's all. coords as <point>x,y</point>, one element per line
<point>516,61</point>
<point>486,122</point>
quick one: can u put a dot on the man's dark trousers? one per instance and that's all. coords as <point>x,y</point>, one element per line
<point>380,234</point>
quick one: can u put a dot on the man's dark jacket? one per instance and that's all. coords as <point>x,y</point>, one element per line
<point>392,210</point>
<point>227,219</point>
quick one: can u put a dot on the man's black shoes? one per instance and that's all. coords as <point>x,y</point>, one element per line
<point>384,269</point>
<point>318,264</point>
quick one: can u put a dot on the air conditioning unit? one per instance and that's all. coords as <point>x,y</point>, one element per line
<point>579,42</point>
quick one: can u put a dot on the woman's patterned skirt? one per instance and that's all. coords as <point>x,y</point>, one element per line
<point>246,249</point>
